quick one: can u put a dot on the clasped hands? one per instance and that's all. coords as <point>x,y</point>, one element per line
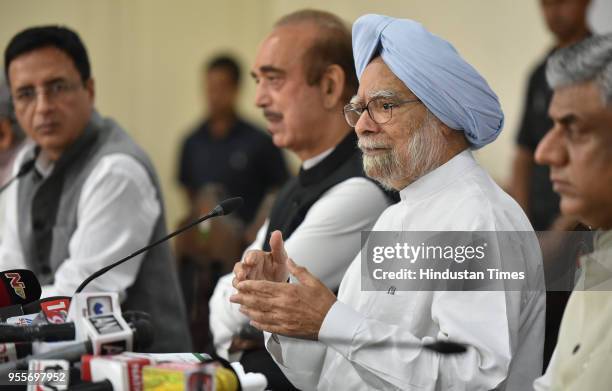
<point>273,305</point>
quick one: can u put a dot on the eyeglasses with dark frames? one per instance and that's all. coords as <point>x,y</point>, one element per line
<point>379,109</point>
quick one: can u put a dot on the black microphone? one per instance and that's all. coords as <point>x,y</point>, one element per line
<point>14,351</point>
<point>18,286</point>
<point>39,332</point>
<point>10,312</point>
<point>49,332</point>
<point>225,207</point>
<point>24,169</point>
<point>54,309</point>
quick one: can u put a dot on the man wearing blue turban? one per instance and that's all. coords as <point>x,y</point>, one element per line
<point>426,109</point>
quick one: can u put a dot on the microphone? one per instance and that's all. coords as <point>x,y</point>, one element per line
<point>14,351</point>
<point>10,312</point>
<point>142,331</point>
<point>54,309</point>
<point>189,376</point>
<point>24,169</point>
<point>225,207</point>
<point>18,286</point>
<point>39,332</point>
<point>54,332</point>
<point>124,372</point>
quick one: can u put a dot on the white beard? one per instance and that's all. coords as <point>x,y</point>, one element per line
<point>406,164</point>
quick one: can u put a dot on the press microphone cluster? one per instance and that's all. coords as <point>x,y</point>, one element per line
<point>143,337</point>
<point>50,332</point>
<point>93,323</point>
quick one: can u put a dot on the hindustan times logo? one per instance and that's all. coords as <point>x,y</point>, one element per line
<point>412,253</point>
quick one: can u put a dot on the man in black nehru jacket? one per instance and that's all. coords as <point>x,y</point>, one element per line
<point>305,75</point>
<point>93,195</point>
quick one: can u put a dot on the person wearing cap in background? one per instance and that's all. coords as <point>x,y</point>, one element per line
<point>11,141</point>
<point>419,110</point>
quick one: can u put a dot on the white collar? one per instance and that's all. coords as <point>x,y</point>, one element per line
<point>44,165</point>
<point>440,177</point>
<point>313,161</point>
<point>597,266</point>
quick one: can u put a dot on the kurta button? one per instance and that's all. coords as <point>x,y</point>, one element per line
<point>576,349</point>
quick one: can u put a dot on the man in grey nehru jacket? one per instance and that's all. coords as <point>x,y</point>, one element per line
<point>92,196</point>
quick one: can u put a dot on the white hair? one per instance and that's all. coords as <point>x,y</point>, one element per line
<point>588,60</point>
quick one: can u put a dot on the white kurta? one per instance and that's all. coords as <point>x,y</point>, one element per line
<point>581,360</point>
<point>504,330</point>
<point>324,234</point>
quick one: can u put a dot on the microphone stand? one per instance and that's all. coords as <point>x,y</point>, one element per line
<point>225,207</point>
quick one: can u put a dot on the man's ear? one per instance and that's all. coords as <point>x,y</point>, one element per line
<point>332,86</point>
<point>6,134</point>
<point>90,88</point>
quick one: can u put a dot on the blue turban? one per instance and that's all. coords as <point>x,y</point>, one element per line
<point>433,70</point>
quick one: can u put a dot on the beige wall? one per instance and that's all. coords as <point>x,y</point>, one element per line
<point>146,54</point>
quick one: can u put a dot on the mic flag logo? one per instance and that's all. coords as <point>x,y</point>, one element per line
<point>98,308</point>
<point>56,311</point>
<point>98,305</point>
<point>16,283</point>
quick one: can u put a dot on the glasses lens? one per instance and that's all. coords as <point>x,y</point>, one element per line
<point>351,114</point>
<point>380,110</point>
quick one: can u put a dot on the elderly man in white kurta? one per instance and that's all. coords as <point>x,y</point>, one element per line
<point>419,111</point>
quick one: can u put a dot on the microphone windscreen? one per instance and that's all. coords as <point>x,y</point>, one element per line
<point>19,286</point>
<point>144,334</point>
<point>230,205</point>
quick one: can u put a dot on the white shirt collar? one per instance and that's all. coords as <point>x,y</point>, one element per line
<point>313,161</point>
<point>43,165</point>
<point>440,177</point>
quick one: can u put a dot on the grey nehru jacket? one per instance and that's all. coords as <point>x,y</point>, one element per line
<point>48,218</point>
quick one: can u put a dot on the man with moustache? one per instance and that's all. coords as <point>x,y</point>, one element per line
<point>419,109</point>
<point>92,196</point>
<point>304,74</point>
<point>578,150</point>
